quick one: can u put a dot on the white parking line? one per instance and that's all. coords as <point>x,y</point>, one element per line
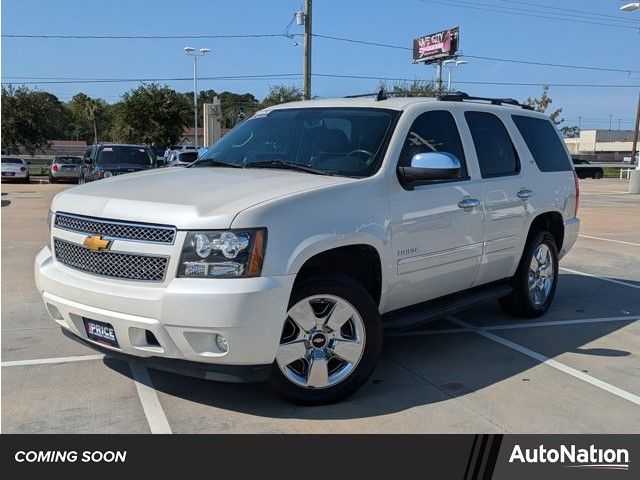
<point>610,240</point>
<point>427,332</point>
<point>608,203</point>
<point>149,399</point>
<point>604,279</point>
<point>555,323</point>
<point>45,361</point>
<point>551,363</point>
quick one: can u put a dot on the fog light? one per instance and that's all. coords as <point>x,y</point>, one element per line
<point>222,344</point>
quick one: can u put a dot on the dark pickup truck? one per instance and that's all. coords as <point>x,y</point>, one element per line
<point>585,170</point>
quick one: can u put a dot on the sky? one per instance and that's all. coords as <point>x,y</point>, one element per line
<point>542,31</point>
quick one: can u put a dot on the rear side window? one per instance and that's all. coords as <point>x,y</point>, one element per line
<point>434,131</point>
<point>12,160</point>
<point>543,143</point>
<point>496,153</point>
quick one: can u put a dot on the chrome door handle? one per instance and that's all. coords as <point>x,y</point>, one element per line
<point>524,194</point>
<point>468,203</point>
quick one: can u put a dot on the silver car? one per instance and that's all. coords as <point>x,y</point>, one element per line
<point>15,169</point>
<point>65,168</point>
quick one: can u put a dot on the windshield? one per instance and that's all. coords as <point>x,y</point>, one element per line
<point>67,160</point>
<point>124,155</point>
<point>338,141</point>
<point>12,160</point>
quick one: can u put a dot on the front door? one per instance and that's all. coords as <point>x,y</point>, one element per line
<point>437,239</point>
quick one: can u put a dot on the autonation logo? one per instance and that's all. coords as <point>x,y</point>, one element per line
<point>573,457</point>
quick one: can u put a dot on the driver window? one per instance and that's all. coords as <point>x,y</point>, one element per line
<point>434,131</point>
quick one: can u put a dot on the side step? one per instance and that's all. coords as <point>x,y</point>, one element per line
<point>409,316</point>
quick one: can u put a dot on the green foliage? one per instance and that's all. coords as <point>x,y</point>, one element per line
<point>417,88</point>
<point>541,104</point>
<point>570,132</point>
<point>92,119</point>
<point>235,107</point>
<point>30,118</point>
<point>282,94</point>
<point>152,114</point>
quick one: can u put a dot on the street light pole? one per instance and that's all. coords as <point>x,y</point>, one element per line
<point>191,52</point>
<point>306,82</point>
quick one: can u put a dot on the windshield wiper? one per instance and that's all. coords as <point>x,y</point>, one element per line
<point>287,166</point>
<point>210,162</point>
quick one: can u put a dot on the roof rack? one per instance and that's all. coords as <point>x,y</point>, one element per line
<point>380,95</point>
<point>462,96</point>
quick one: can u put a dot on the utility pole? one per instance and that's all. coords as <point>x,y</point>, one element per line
<point>610,120</point>
<point>306,88</point>
<point>634,148</point>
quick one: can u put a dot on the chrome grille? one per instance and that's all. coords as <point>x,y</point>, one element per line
<point>116,229</point>
<point>111,264</point>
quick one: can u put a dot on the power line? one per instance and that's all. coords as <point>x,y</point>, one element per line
<point>570,10</point>
<point>145,37</point>
<point>296,76</point>
<point>496,59</point>
<point>523,13</point>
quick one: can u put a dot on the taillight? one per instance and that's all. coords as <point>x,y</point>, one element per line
<point>23,169</point>
<point>54,168</point>
<point>577,182</point>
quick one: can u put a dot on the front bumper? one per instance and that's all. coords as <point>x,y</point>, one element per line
<point>571,231</point>
<point>184,315</point>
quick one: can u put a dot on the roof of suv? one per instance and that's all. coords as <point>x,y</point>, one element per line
<point>400,103</point>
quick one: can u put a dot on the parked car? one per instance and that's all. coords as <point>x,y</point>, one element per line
<point>585,170</point>
<point>285,251</point>
<point>65,168</point>
<point>15,169</point>
<point>110,159</point>
<point>182,158</point>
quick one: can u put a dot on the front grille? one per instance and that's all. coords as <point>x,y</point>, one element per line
<point>111,264</point>
<point>116,229</point>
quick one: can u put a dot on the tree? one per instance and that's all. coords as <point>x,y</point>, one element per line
<point>541,104</point>
<point>152,114</point>
<point>31,118</point>
<point>91,118</point>
<point>417,88</point>
<point>282,94</point>
<point>570,132</point>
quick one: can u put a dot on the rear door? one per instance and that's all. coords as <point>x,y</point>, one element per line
<point>505,194</point>
<point>436,242</point>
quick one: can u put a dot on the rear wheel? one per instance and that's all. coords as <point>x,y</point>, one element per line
<point>597,174</point>
<point>534,283</point>
<point>330,343</point>
<point>52,180</point>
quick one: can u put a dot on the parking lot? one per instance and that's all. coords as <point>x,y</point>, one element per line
<point>577,369</point>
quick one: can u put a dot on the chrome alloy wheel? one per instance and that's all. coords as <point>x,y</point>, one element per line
<point>541,275</point>
<point>322,342</point>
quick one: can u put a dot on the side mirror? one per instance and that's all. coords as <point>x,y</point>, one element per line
<point>430,166</point>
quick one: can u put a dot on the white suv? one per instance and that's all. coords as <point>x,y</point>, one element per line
<point>293,242</point>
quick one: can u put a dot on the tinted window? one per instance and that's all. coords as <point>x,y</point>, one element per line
<point>496,154</point>
<point>124,155</point>
<point>543,143</point>
<point>434,131</point>
<point>188,156</point>
<point>67,160</point>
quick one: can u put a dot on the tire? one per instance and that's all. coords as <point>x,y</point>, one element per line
<point>52,180</point>
<point>597,175</point>
<point>305,382</point>
<point>521,302</point>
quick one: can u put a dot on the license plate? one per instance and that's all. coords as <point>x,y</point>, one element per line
<point>101,332</point>
<point>8,174</point>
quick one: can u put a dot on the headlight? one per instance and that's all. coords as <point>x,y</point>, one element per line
<point>223,254</point>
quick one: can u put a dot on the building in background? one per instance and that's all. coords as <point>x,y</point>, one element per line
<point>602,145</point>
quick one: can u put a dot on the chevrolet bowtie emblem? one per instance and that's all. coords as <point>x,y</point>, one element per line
<point>96,243</point>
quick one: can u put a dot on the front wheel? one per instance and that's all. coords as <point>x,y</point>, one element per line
<point>330,343</point>
<point>535,281</point>
<point>597,175</point>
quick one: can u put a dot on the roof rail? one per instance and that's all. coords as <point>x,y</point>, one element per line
<point>462,96</point>
<point>380,95</point>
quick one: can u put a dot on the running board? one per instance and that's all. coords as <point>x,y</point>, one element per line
<point>439,307</point>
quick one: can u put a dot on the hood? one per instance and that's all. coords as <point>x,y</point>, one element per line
<point>189,198</point>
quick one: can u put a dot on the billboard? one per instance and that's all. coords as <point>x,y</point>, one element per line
<point>436,46</point>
